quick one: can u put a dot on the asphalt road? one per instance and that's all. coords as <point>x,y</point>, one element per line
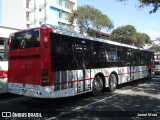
<point>137,100</point>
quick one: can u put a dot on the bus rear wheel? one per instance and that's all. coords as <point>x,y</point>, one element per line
<point>112,82</point>
<point>97,87</point>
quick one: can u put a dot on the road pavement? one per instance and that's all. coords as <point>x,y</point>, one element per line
<point>137,100</point>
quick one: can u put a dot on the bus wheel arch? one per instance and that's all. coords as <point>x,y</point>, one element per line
<point>98,84</point>
<point>113,81</point>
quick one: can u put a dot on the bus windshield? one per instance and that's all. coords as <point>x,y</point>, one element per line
<point>26,39</point>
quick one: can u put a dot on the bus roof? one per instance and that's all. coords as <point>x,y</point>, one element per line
<point>69,32</point>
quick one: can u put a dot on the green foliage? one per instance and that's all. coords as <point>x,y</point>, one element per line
<point>145,3</point>
<point>142,39</point>
<point>90,19</point>
<point>125,34</point>
<point>128,35</point>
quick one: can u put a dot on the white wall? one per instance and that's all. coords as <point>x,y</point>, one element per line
<point>5,32</point>
<point>13,13</point>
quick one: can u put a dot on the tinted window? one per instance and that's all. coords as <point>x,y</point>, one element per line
<point>112,53</point>
<point>70,53</point>
<point>83,53</point>
<point>62,52</point>
<point>121,53</point>
<point>99,52</point>
<point>26,39</point>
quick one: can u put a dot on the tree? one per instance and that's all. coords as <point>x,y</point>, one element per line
<point>145,3</point>
<point>142,39</point>
<point>155,48</point>
<point>125,34</point>
<point>90,20</point>
<point>128,35</point>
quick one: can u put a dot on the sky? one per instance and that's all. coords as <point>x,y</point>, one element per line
<point>127,13</point>
<point>0,12</point>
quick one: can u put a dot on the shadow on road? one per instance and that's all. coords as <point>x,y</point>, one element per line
<point>105,105</point>
<point>8,95</point>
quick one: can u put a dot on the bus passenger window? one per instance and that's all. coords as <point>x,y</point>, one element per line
<point>59,49</point>
<point>112,55</point>
<point>120,55</point>
<point>99,52</point>
<point>107,56</point>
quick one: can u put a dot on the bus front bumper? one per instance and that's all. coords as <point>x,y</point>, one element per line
<point>29,90</point>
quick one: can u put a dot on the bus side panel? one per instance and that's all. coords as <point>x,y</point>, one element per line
<point>25,71</point>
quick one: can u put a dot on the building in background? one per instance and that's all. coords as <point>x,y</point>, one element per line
<point>53,12</point>
<point>23,14</point>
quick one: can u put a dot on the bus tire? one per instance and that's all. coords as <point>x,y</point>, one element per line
<point>112,82</point>
<point>97,86</point>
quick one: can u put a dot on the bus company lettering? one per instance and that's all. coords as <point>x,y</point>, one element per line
<point>26,115</point>
<point>34,115</point>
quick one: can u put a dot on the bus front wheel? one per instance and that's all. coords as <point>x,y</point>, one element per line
<point>97,85</point>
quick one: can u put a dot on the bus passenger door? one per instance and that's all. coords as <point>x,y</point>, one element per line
<point>83,63</point>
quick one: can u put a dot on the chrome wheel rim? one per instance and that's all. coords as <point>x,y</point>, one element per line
<point>98,85</point>
<point>113,81</point>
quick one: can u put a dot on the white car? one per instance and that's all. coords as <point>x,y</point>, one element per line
<point>3,65</point>
<point>3,76</point>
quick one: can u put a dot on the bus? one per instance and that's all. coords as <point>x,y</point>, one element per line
<point>52,62</point>
<point>3,65</point>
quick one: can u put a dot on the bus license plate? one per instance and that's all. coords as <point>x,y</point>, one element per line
<point>15,90</point>
<point>31,92</point>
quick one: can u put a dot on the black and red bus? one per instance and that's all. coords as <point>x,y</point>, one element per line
<point>51,62</point>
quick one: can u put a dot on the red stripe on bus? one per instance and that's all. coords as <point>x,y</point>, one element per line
<point>74,81</point>
<point>93,78</point>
